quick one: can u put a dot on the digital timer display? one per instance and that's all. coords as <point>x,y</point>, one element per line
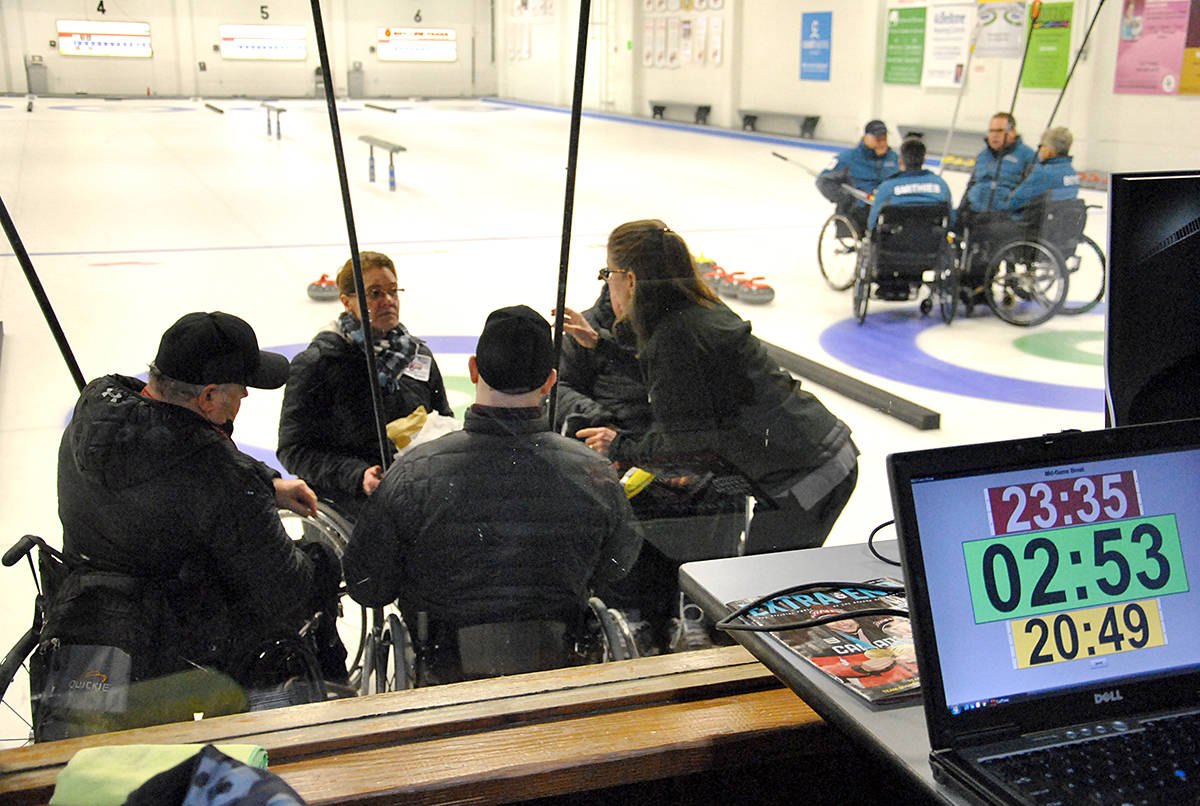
<point>1057,502</point>
<point>1031,574</point>
<point>1087,633</point>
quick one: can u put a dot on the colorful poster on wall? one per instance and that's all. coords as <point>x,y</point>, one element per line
<point>1001,30</point>
<point>948,27</point>
<point>701,40</point>
<point>660,42</point>
<point>1049,51</point>
<point>685,41</point>
<point>905,52</point>
<point>1189,71</point>
<point>816,39</point>
<point>1150,52</point>
<point>673,37</point>
<point>648,42</point>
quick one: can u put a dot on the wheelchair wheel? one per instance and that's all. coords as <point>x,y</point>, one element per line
<point>1026,283</point>
<point>837,251</point>
<point>327,527</point>
<point>385,664</point>
<point>1086,270</point>
<point>862,285</point>
<point>614,631</point>
<point>947,292</point>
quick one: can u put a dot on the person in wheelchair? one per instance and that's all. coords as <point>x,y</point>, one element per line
<point>1002,165</point>
<point>913,185</point>
<point>491,538</point>
<point>862,167</point>
<point>1053,179</point>
<point>178,570</point>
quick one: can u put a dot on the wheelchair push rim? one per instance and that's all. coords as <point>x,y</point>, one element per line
<point>1026,283</point>
<point>837,251</point>
<point>1087,272</point>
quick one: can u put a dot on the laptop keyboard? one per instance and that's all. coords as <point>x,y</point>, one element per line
<point>1158,763</point>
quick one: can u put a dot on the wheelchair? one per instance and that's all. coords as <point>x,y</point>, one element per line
<point>394,653</point>
<point>909,249</point>
<point>838,248</point>
<point>1029,266</point>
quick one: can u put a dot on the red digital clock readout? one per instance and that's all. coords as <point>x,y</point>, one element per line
<point>1058,502</point>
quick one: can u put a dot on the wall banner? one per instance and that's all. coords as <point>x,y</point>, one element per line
<point>948,29</point>
<point>816,33</point>
<point>1189,71</point>
<point>1001,29</point>
<point>1049,48</point>
<point>1150,53</point>
<point>905,46</point>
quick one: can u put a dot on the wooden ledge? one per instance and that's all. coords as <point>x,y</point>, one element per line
<point>496,740</point>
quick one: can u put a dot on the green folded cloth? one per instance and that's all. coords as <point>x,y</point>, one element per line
<point>104,776</point>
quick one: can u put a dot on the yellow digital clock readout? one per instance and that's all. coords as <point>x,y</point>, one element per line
<point>1081,634</point>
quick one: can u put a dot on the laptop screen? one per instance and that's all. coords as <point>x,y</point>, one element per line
<point>1039,567</point>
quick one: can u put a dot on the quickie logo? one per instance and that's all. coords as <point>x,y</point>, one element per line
<point>90,681</point>
<point>1108,696</point>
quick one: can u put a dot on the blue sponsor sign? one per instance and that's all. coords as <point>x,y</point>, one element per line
<point>815,42</point>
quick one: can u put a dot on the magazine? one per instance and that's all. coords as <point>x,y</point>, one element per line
<point>873,656</point>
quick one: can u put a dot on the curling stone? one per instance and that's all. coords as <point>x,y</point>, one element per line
<point>323,289</point>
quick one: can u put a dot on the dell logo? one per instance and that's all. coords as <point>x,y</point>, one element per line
<point>1108,696</point>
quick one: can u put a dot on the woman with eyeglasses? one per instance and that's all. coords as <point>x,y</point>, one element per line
<point>327,432</point>
<point>713,388</point>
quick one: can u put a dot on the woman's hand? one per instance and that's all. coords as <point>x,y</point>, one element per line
<point>578,327</point>
<point>598,439</point>
<point>295,495</point>
<point>371,478</point>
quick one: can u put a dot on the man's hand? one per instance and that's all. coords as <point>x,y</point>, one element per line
<point>578,327</point>
<point>598,439</point>
<point>296,495</point>
<point>371,478</point>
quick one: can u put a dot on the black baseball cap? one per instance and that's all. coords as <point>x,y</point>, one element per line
<point>515,352</point>
<point>876,128</point>
<point>204,348</point>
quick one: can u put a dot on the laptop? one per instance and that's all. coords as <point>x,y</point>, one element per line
<point>1055,617</point>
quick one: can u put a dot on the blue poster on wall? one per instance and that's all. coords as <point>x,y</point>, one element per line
<point>815,40</point>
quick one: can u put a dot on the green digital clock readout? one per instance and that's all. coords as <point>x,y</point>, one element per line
<point>1033,573</point>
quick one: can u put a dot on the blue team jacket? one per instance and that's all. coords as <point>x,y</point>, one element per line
<point>1056,179</point>
<point>910,187</point>
<point>859,166</point>
<point>1015,162</point>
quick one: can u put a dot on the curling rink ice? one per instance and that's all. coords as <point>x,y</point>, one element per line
<point>135,212</point>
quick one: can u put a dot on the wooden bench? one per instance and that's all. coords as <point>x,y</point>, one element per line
<point>277,111</point>
<point>657,108</point>
<point>501,740</point>
<point>806,122</point>
<point>391,148</point>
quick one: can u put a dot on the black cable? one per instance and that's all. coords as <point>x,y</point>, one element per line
<point>875,551</point>
<point>725,623</point>
<point>1078,54</point>
<point>1034,12</point>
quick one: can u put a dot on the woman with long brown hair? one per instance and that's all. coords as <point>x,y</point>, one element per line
<point>713,388</point>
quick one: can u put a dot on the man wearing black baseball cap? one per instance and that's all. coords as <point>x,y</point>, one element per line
<point>857,171</point>
<point>495,535</point>
<point>176,553</point>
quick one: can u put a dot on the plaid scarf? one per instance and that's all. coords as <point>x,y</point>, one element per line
<point>394,351</point>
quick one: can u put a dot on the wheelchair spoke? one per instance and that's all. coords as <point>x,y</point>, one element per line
<point>1026,283</point>
<point>837,252</point>
<point>1087,271</point>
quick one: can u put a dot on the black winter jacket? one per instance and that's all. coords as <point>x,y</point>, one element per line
<point>327,430</point>
<point>153,498</point>
<point>502,521</point>
<point>602,385</point>
<point>713,387</point>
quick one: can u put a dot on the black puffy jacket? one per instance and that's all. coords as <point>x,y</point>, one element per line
<point>157,502</point>
<point>502,521</point>
<point>602,385</point>
<point>327,433</point>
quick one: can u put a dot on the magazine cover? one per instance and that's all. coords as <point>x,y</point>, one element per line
<point>873,656</point>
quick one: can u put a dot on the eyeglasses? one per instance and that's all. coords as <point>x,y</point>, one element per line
<point>606,272</point>
<point>376,294</point>
<point>998,131</point>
